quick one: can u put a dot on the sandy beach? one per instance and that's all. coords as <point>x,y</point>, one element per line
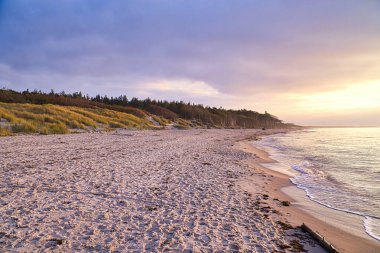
<point>149,191</point>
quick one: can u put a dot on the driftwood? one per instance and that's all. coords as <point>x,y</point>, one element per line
<point>324,243</point>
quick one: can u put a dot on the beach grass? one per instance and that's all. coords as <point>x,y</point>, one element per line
<point>161,120</point>
<point>183,124</point>
<point>4,132</point>
<point>55,119</point>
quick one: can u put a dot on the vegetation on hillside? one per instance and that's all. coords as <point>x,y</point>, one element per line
<point>47,113</point>
<point>53,119</point>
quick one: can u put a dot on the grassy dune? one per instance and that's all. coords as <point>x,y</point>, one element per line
<point>73,111</point>
<point>55,119</point>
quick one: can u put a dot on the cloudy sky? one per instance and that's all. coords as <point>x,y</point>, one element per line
<point>308,62</point>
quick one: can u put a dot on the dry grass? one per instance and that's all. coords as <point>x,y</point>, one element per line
<point>185,124</point>
<point>4,132</point>
<point>161,120</point>
<point>55,119</point>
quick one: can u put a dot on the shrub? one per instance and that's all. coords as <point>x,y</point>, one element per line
<point>54,128</point>
<point>116,125</point>
<point>162,121</point>
<point>21,125</point>
<point>4,132</point>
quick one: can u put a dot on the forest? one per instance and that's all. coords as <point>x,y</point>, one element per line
<point>164,112</point>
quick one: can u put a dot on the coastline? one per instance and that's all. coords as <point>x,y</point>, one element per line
<point>303,210</point>
<point>193,190</point>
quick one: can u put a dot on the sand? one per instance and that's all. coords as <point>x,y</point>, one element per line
<point>339,228</point>
<point>140,191</point>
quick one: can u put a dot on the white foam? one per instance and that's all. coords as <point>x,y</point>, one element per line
<point>314,180</point>
<point>372,227</point>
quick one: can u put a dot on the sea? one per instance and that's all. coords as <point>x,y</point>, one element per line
<point>336,167</point>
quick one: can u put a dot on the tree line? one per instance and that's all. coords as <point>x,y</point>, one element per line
<point>171,110</point>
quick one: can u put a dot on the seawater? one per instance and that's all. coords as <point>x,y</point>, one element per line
<point>337,167</point>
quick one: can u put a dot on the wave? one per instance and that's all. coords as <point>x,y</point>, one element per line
<point>368,219</point>
<point>338,173</point>
<point>369,227</point>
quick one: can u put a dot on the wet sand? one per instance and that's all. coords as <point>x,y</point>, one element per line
<point>338,228</point>
<point>139,191</point>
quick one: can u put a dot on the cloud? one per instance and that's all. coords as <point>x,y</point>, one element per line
<point>256,50</point>
<point>186,87</point>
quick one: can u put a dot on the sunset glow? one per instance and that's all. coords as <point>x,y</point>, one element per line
<point>361,96</point>
<point>294,59</point>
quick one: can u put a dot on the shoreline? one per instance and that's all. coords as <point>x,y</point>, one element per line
<point>177,191</point>
<point>305,210</point>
